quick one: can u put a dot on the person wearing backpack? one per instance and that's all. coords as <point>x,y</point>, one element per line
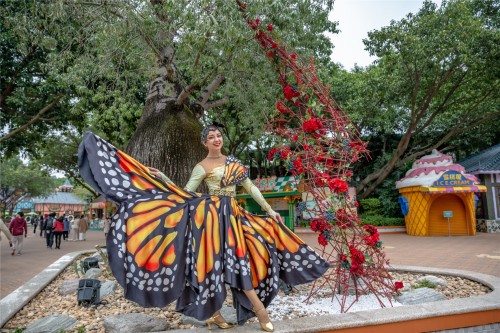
<point>49,229</point>
<point>58,231</point>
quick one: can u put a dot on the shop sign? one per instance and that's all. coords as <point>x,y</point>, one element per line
<point>452,178</point>
<point>24,205</point>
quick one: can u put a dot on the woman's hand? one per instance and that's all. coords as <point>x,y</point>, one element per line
<point>155,172</point>
<point>275,216</point>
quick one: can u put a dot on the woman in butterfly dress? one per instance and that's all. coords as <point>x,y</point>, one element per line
<point>168,243</point>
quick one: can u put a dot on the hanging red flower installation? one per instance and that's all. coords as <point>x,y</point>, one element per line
<point>319,145</point>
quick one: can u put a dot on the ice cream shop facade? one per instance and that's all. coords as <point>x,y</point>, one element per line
<point>438,198</point>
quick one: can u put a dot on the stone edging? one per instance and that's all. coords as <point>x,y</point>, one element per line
<point>15,301</point>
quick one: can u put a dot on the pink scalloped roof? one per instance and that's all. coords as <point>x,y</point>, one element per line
<point>426,170</point>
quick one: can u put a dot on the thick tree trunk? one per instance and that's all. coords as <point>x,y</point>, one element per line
<point>168,138</point>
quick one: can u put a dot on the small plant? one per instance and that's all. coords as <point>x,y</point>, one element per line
<point>76,268</point>
<point>19,330</point>
<point>425,284</point>
<point>81,329</point>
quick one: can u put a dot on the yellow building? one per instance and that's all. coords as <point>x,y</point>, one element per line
<point>438,197</point>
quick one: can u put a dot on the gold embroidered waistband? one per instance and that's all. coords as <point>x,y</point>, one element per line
<point>226,193</point>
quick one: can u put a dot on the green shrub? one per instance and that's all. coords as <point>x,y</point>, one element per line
<point>381,221</point>
<point>371,206</point>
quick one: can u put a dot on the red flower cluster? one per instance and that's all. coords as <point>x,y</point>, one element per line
<point>312,125</point>
<point>272,152</point>
<point>357,260</point>
<point>370,229</point>
<point>298,167</point>
<point>371,240</point>
<point>338,185</point>
<point>398,285</point>
<point>285,153</point>
<point>320,225</point>
<point>322,240</point>
<point>282,107</point>
<point>289,92</point>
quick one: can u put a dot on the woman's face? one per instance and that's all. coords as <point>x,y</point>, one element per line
<point>214,140</point>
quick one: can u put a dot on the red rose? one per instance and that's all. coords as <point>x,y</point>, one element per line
<point>357,257</point>
<point>371,240</point>
<point>272,152</point>
<point>322,240</point>
<point>289,92</point>
<point>269,27</point>
<point>296,103</point>
<point>282,107</point>
<point>257,21</point>
<point>356,204</point>
<point>293,56</point>
<point>295,137</point>
<point>270,54</point>
<point>398,285</point>
<point>338,185</point>
<point>370,229</point>
<point>312,125</point>
<point>274,45</point>
<point>297,165</point>
<point>285,153</point>
<point>348,173</point>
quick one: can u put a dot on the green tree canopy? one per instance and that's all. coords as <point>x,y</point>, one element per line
<point>436,80</point>
<point>18,180</point>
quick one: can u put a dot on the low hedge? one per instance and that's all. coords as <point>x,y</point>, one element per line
<point>382,221</point>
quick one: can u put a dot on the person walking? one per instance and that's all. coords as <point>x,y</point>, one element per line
<point>36,220</point>
<point>48,227</point>
<point>66,228</point>
<point>6,232</point>
<point>83,226</point>
<point>43,220</point>
<point>58,231</point>
<point>107,223</point>
<point>18,227</point>
<point>75,228</point>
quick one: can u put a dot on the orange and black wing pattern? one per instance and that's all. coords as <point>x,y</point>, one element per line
<point>148,231</point>
<point>234,172</point>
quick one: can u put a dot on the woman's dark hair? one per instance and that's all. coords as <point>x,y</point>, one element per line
<point>209,128</point>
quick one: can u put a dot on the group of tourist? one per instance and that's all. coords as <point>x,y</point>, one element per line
<point>53,229</point>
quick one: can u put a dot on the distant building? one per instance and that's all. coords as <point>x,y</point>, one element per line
<point>60,201</point>
<point>486,166</point>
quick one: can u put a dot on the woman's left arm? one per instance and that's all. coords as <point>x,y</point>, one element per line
<point>257,196</point>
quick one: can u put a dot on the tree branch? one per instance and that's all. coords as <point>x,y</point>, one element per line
<point>33,120</point>
<point>212,86</point>
<point>214,104</point>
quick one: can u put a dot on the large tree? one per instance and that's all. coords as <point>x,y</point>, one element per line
<point>436,80</point>
<point>156,67</point>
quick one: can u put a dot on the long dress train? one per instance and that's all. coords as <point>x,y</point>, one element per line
<point>166,243</point>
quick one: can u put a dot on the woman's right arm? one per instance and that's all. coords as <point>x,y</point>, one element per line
<point>197,175</point>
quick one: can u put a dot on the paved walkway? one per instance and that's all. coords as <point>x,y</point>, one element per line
<point>17,270</point>
<point>480,253</point>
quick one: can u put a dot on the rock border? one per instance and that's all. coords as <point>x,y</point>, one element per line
<point>15,301</point>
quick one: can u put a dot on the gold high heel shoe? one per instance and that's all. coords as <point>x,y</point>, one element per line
<point>212,320</point>
<point>268,327</point>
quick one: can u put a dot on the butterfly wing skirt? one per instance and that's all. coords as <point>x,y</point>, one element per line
<point>168,244</point>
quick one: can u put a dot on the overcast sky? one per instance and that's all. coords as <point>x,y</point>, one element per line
<point>356,17</point>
